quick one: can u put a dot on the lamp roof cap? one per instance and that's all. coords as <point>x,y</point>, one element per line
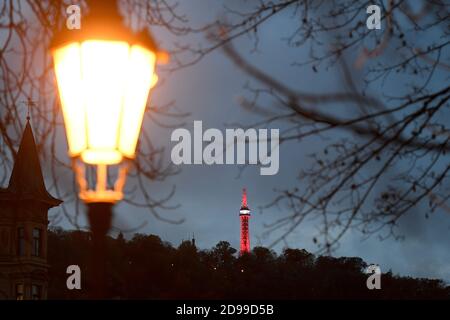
<point>103,22</point>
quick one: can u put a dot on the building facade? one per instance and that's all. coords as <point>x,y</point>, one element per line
<point>24,206</point>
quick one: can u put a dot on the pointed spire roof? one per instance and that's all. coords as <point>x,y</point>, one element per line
<point>26,181</point>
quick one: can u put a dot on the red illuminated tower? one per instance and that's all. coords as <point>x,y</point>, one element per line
<point>244,214</point>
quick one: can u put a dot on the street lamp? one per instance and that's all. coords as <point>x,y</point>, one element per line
<point>104,73</point>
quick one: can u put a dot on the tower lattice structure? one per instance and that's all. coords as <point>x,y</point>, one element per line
<point>244,214</point>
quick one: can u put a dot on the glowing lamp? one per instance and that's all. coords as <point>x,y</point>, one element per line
<point>104,73</point>
<point>103,86</point>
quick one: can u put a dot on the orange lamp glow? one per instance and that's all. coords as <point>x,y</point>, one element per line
<point>103,86</point>
<point>104,73</point>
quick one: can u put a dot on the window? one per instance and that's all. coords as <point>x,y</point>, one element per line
<point>20,291</point>
<point>36,292</point>
<point>36,248</point>
<point>21,241</point>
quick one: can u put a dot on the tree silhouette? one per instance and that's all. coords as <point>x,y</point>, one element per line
<point>382,138</point>
<point>147,268</point>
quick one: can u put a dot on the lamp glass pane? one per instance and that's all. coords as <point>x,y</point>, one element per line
<point>139,81</point>
<point>104,87</point>
<point>68,75</point>
<point>104,67</point>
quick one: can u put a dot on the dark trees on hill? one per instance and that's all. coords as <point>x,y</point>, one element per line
<point>145,267</point>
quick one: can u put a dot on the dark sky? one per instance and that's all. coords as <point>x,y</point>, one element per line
<point>210,195</point>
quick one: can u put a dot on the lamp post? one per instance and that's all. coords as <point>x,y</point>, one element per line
<point>104,73</point>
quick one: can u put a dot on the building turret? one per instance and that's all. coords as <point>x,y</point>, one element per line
<point>24,206</point>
